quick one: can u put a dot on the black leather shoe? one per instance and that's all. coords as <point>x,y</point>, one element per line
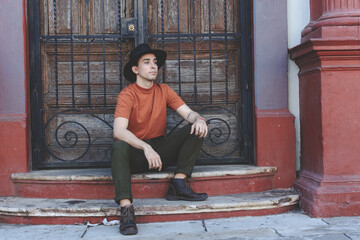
<point>180,190</point>
<point>127,221</point>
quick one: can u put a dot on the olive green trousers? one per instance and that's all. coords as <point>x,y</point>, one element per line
<point>179,148</point>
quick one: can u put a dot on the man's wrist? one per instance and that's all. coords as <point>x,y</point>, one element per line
<point>145,146</point>
<point>201,118</point>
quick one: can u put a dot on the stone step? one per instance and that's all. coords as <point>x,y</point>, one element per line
<point>97,183</point>
<point>18,210</point>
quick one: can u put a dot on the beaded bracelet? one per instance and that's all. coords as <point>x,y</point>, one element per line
<point>202,119</point>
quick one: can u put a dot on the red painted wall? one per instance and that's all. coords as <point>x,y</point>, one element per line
<point>14,124</point>
<point>275,144</point>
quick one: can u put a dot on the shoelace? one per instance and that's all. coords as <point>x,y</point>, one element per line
<point>188,187</point>
<point>127,215</point>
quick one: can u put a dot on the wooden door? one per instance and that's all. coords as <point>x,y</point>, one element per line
<point>80,48</point>
<point>205,69</point>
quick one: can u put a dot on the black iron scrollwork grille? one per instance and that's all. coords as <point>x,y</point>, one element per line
<point>224,137</point>
<point>69,138</point>
<point>78,76</point>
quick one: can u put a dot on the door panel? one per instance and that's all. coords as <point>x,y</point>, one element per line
<point>81,62</point>
<point>204,69</point>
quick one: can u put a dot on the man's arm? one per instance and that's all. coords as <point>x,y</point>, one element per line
<point>122,133</point>
<point>199,126</point>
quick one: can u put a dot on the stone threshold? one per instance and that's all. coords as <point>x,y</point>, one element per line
<point>104,174</point>
<point>41,207</point>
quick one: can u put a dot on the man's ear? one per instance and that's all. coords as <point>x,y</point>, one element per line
<point>134,69</point>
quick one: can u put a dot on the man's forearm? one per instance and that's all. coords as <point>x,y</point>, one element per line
<point>128,137</point>
<point>193,117</point>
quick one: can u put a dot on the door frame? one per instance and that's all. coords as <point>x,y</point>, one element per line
<point>246,68</point>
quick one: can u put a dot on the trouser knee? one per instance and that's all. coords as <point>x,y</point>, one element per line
<point>120,150</point>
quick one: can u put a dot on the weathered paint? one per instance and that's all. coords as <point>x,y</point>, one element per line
<point>14,121</point>
<point>157,209</point>
<point>214,186</point>
<point>275,144</point>
<point>13,150</point>
<point>329,64</point>
<point>143,219</point>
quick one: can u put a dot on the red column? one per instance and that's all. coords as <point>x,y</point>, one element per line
<point>329,62</point>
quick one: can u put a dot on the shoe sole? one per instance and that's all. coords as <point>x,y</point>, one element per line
<point>177,198</point>
<point>129,232</point>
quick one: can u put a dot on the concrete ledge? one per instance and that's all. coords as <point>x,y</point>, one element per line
<point>104,174</point>
<point>98,184</point>
<point>40,207</point>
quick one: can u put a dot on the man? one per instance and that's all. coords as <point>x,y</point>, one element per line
<point>139,127</point>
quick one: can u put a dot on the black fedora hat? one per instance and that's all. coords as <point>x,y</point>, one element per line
<point>136,54</point>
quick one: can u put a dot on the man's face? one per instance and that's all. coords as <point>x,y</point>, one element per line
<point>147,67</point>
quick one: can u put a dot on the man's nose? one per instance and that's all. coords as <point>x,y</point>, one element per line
<point>153,64</point>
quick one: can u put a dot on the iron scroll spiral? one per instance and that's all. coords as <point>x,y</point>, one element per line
<point>69,139</point>
<point>220,132</point>
<point>216,133</point>
<point>70,134</point>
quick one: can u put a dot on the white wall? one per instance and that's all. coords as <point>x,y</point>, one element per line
<point>298,17</point>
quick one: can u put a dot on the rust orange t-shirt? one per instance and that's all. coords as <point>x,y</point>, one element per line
<point>146,108</point>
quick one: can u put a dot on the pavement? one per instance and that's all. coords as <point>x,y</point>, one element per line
<point>294,225</point>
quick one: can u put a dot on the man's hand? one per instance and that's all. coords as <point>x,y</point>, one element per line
<point>200,128</point>
<point>153,158</point>
<point>121,133</point>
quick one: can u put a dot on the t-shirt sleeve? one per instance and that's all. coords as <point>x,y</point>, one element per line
<point>124,103</point>
<point>173,100</point>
